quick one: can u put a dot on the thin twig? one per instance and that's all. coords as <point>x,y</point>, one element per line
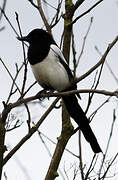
<point>101,61</point>
<point>74,55</point>
<point>25,74</point>
<point>3,8</point>
<point>80,155</point>
<point>84,41</point>
<point>86,12</point>
<point>94,113</point>
<point>107,170</point>
<point>96,85</point>
<point>33,4</point>
<point>28,89</point>
<point>32,131</point>
<point>90,167</point>
<point>110,70</point>
<point>24,55</point>
<point>49,4</point>
<point>11,90</point>
<point>9,22</point>
<point>77,4</point>
<point>47,149</point>
<point>55,143</point>
<point>10,75</point>
<point>82,49</point>
<point>43,16</point>
<point>56,16</point>
<point>29,118</point>
<point>109,139</point>
<point>91,94</point>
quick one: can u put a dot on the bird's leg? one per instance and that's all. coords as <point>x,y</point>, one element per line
<point>38,95</point>
<point>50,91</point>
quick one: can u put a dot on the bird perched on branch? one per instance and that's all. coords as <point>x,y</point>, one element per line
<point>53,73</point>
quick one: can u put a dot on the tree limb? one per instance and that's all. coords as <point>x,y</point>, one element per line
<point>86,12</point>
<point>31,132</point>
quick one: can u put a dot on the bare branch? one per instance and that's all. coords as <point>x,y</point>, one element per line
<point>1,13</point>
<point>11,90</point>
<point>33,4</point>
<point>91,94</point>
<point>110,70</point>
<point>56,18</point>
<point>3,8</point>
<point>42,134</point>
<point>86,12</point>
<point>9,22</point>
<point>24,55</point>
<point>94,113</point>
<point>61,144</point>
<point>84,41</point>
<point>28,89</point>
<point>76,62</point>
<point>14,127</point>
<point>32,131</point>
<point>107,170</point>
<point>80,155</point>
<point>50,94</point>
<point>96,85</point>
<point>109,139</point>
<point>74,55</point>
<point>43,16</point>
<point>110,46</point>
<point>90,167</point>
<point>77,4</point>
<point>10,75</point>
<point>49,4</point>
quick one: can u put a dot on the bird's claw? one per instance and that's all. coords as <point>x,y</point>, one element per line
<point>39,96</point>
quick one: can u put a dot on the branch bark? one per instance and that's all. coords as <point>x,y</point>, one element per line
<point>43,16</point>
<point>32,131</point>
<point>67,29</point>
<point>2,146</point>
<point>60,94</point>
<point>110,46</point>
<point>67,127</point>
<point>67,131</point>
<point>86,12</point>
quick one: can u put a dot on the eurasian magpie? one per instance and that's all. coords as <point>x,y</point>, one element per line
<point>53,73</point>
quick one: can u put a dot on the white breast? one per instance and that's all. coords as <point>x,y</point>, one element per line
<point>51,72</point>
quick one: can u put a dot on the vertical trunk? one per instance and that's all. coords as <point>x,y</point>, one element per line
<point>67,29</point>
<point>2,146</point>
<point>67,128</point>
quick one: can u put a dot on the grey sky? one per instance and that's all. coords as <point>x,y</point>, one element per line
<point>33,155</point>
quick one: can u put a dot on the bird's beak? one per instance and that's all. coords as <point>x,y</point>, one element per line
<point>25,38</point>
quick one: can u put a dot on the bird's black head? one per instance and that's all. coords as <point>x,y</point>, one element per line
<point>39,45</point>
<point>38,36</point>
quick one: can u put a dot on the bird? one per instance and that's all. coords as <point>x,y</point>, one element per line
<point>52,72</point>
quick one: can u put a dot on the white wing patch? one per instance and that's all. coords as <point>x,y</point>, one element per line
<point>58,52</point>
<point>50,71</point>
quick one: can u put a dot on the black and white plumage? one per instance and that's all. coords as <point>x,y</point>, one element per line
<point>52,73</point>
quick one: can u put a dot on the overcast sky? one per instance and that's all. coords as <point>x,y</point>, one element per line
<point>33,155</point>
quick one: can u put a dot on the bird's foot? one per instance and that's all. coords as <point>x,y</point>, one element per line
<point>50,91</point>
<point>39,94</point>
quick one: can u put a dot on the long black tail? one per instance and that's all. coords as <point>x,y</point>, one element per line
<point>80,118</point>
